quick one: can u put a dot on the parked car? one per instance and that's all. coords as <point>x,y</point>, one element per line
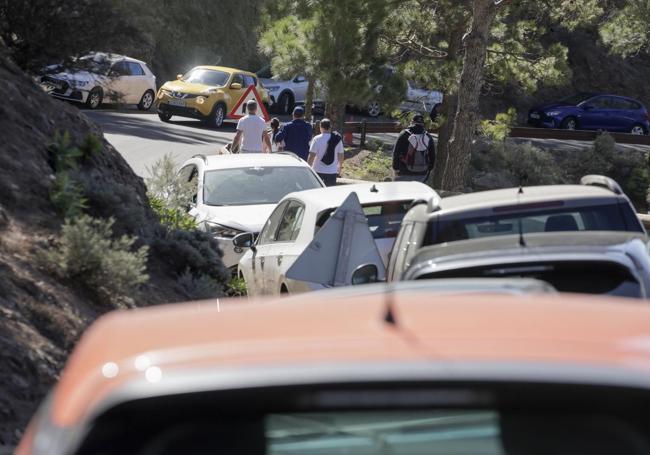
<point>589,111</point>
<point>298,216</point>
<point>408,372</point>
<point>598,204</point>
<point>416,99</point>
<point>101,78</point>
<point>207,93</point>
<point>236,193</point>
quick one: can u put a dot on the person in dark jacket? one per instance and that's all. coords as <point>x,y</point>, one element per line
<point>414,154</point>
<point>296,134</point>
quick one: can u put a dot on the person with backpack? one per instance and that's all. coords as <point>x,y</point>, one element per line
<point>414,153</point>
<point>326,153</point>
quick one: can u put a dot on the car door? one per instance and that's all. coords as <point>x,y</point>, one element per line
<point>118,89</point>
<point>264,247</point>
<point>623,114</point>
<point>138,82</point>
<point>236,93</point>
<point>284,245</point>
<point>595,113</point>
<point>299,87</point>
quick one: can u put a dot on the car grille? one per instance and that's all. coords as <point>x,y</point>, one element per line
<point>183,96</point>
<point>180,110</point>
<point>63,85</point>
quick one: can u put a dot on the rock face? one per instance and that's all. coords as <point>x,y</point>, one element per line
<point>41,318</point>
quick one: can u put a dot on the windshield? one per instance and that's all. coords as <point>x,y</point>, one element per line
<point>384,219</point>
<point>92,66</point>
<point>546,218</point>
<point>206,77</point>
<point>574,100</point>
<point>256,185</point>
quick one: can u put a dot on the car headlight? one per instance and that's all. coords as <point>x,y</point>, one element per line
<point>209,92</point>
<point>164,92</point>
<point>219,230</point>
<point>553,113</point>
<point>272,88</point>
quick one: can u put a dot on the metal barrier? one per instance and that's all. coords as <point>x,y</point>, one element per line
<point>363,128</point>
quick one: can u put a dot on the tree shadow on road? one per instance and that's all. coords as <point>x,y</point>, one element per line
<point>149,127</point>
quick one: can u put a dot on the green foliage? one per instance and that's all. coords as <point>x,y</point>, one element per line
<point>86,253</point>
<point>627,30</point>
<point>67,196</point>
<point>499,128</point>
<point>236,287</point>
<point>171,218</point>
<point>199,288</point>
<point>376,167</point>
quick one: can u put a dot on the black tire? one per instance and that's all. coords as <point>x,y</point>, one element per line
<point>164,116</point>
<point>283,289</point>
<point>95,97</point>
<point>569,123</point>
<point>146,101</point>
<point>638,130</point>
<point>285,103</point>
<point>373,109</point>
<point>217,116</point>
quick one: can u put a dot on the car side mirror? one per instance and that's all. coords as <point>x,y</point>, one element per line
<point>365,274</point>
<point>299,79</point>
<point>179,76</point>
<point>235,86</point>
<point>244,240</point>
<point>113,74</point>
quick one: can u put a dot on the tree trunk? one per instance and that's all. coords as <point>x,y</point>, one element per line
<point>466,120</point>
<point>448,109</point>
<point>309,98</point>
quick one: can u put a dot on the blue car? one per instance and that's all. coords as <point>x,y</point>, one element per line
<point>592,111</point>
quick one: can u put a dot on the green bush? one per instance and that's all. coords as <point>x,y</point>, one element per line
<point>376,167</point>
<point>171,218</point>
<point>87,253</point>
<point>67,196</point>
<point>199,287</point>
<point>236,287</point>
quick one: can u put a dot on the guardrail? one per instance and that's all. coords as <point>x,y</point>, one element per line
<point>363,128</point>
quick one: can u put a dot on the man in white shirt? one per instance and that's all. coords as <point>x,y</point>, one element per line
<point>251,132</point>
<point>326,153</point>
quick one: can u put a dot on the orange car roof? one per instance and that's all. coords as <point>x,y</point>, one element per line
<point>313,329</point>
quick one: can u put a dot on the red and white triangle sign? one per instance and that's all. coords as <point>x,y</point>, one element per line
<point>240,107</point>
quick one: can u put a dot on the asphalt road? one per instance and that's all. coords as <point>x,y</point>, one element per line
<point>142,138</point>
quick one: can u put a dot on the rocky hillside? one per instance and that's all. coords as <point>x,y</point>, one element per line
<point>41,317</point>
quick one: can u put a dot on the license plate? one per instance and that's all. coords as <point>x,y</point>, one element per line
<point>177,103</point>
<point>534,115</point>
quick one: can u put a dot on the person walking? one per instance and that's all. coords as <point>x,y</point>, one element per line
<point>251,132</point>
<point>414,153</point>
<point>296,134</point>
<point>275,129</point>
<point>326,153</point>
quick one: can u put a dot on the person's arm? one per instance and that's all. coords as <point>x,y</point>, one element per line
<point>266,142</point>
<point>341,154</point>
<point>398,149</point>
<point>282,134</point>
<point>236,141</point>
<point>312,152</point>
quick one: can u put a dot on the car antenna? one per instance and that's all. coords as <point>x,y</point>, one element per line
<point>389,310</point>
<point>522,241</point>
<point>373,189</point>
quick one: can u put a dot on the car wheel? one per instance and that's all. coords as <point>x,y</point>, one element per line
<point>638,130</point>
<point>217,116</point>
<point>285,103</point>
<point>284,289</point>
<point>94,100</point>
<point>165,117</point>
<point>374,109</point>
<point>146,101</point>
<point>569,123</point>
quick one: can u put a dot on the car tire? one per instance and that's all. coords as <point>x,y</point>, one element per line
<point>164,116</point>
<point>638,130</point>
<point>146,101</point>
<point>569,123</point>
<point>95,97</point>
<point>284,289</point>
<point>285,103</point>
<point>217,116</point>
<point>373,109</point>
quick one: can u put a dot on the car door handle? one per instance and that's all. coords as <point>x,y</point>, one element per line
<point>262,262</point>
<point>279,259</point>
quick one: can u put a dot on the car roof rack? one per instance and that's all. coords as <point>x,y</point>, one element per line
<point>603,182</point>
<point>202,156</point>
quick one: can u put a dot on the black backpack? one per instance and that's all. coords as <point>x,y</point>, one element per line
<point>332,142</point>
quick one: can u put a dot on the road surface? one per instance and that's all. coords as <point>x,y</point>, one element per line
<point>143,139</point>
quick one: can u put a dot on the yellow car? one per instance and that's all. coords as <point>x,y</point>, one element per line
<point>207,93</point>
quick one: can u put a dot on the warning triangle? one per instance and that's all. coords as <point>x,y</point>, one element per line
<point>240,107</point>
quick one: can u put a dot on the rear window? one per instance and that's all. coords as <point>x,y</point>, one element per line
<point>384,219</point>
<point>571,276</point>
<point>534,218</point>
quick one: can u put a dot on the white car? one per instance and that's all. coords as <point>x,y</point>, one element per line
<point>417,99</point>
<point>100,78</point>
<point>296,219</point>
<point>285,94</point>
<point>236,193</point>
